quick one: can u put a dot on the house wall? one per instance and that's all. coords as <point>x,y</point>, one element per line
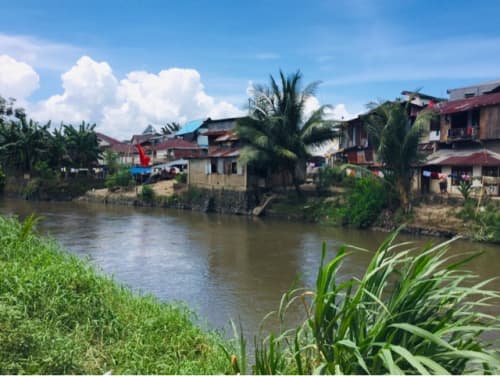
<point>445,126</point>
<point>199,177</point>
<point>489,123</point>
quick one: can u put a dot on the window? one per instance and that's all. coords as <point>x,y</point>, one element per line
<point>458,172</point>
<point>213,167</point>
<point>491,171</point>
<point>234,167</point>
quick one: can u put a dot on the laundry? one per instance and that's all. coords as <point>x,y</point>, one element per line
<point>426,174</point>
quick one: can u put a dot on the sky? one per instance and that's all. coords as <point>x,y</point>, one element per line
<point>126,64</point>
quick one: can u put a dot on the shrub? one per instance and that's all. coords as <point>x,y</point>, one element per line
<point>181,178</point>
<point>465,188</point>
<point>328,176</point>
<point>365,202</point>
<point>414,311</point>
<point>123,178</point>
<point>43,170</point>
<point>147,194</point>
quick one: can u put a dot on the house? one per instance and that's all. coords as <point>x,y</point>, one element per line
<point>468,143</point>
<point>355,146</point>
<point>175,148</point>
<point>123,150</point>
<point>220,168</point>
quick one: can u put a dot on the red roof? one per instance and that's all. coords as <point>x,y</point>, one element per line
<point>109,140</point>
<point>467,104</point>
<point>228,136</point>
<point>476,159</point>
<point>214,133</point>
<point>176,143</point>
<point>234,152</point>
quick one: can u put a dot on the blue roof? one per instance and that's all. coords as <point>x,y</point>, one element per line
<point>189,127</point>
<point>140,170</point>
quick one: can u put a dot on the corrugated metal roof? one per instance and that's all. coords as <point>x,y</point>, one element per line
<point>460,105</point>
<point>471,157</point>
<point>176,143</point>
<point>190,127</point>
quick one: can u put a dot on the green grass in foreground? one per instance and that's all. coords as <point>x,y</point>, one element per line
<point>58,316</point>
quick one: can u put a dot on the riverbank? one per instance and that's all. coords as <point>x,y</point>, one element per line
<point>432,215</point>
<point>60,316</point>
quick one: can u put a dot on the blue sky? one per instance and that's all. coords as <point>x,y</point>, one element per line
<point>361,51</point>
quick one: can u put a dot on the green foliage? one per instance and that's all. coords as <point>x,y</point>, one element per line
<point>111,161</point>
<point>277,134</point>
<point>483,222</point>
<point>465,188</point>
<point>147,194</point>
<point>181,178</point>
<point>43,170</point>
<point>3,180</point>
<point>414,311</point>
<point>58,316</point>
<point>396,141</point>
<point>328,176</point>
<point>123,178</point>
<point>365,202</point>
<point>24,143</point>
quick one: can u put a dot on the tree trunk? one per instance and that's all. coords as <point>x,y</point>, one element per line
<point>404,196</point>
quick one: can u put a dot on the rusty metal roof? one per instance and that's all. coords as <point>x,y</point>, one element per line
<point>176,143</point>
<point>467,104</point>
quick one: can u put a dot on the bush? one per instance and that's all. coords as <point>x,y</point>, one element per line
<point>412,312</point>
<point>123,178</point>
<point>328,176</point>
<point>147,194</point>
<point>43,170</point>
<point>365,202</point>
<point>181,178</point>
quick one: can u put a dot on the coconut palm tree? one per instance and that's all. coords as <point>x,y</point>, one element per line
<point>395,138</point>
<point>277,134</point>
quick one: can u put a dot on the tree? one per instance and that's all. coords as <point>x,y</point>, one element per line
<point>395,138</point>
<point>277,133</point>
<point>23,143</point>
<point>82,144</point>
<point>170,128</point>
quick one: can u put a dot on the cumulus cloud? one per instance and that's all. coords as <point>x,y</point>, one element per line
<point>17,79</point>
<point>124,107</point>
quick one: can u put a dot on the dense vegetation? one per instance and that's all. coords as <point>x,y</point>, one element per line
<point>414,311</point>
<point>27,146</point>
<point>58,316</point>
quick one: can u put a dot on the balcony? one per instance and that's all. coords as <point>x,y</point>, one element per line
<point>458,134</point>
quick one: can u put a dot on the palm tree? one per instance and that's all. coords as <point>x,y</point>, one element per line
<point>277,133</point>
<point>395,138</point>
<point>82,144</point>
<point>170,128</point>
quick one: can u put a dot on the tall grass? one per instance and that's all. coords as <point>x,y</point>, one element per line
<point>414,311</point>
<point>58,316</point>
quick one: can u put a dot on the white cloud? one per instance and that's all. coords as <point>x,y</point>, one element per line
<point>121,108</point>
<point>39,53</point>
<point>17,79</point>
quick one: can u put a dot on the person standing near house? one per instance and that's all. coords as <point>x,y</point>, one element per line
<point>443,183</point>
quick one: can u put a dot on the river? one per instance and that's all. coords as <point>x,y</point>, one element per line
<point>223,267</point>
